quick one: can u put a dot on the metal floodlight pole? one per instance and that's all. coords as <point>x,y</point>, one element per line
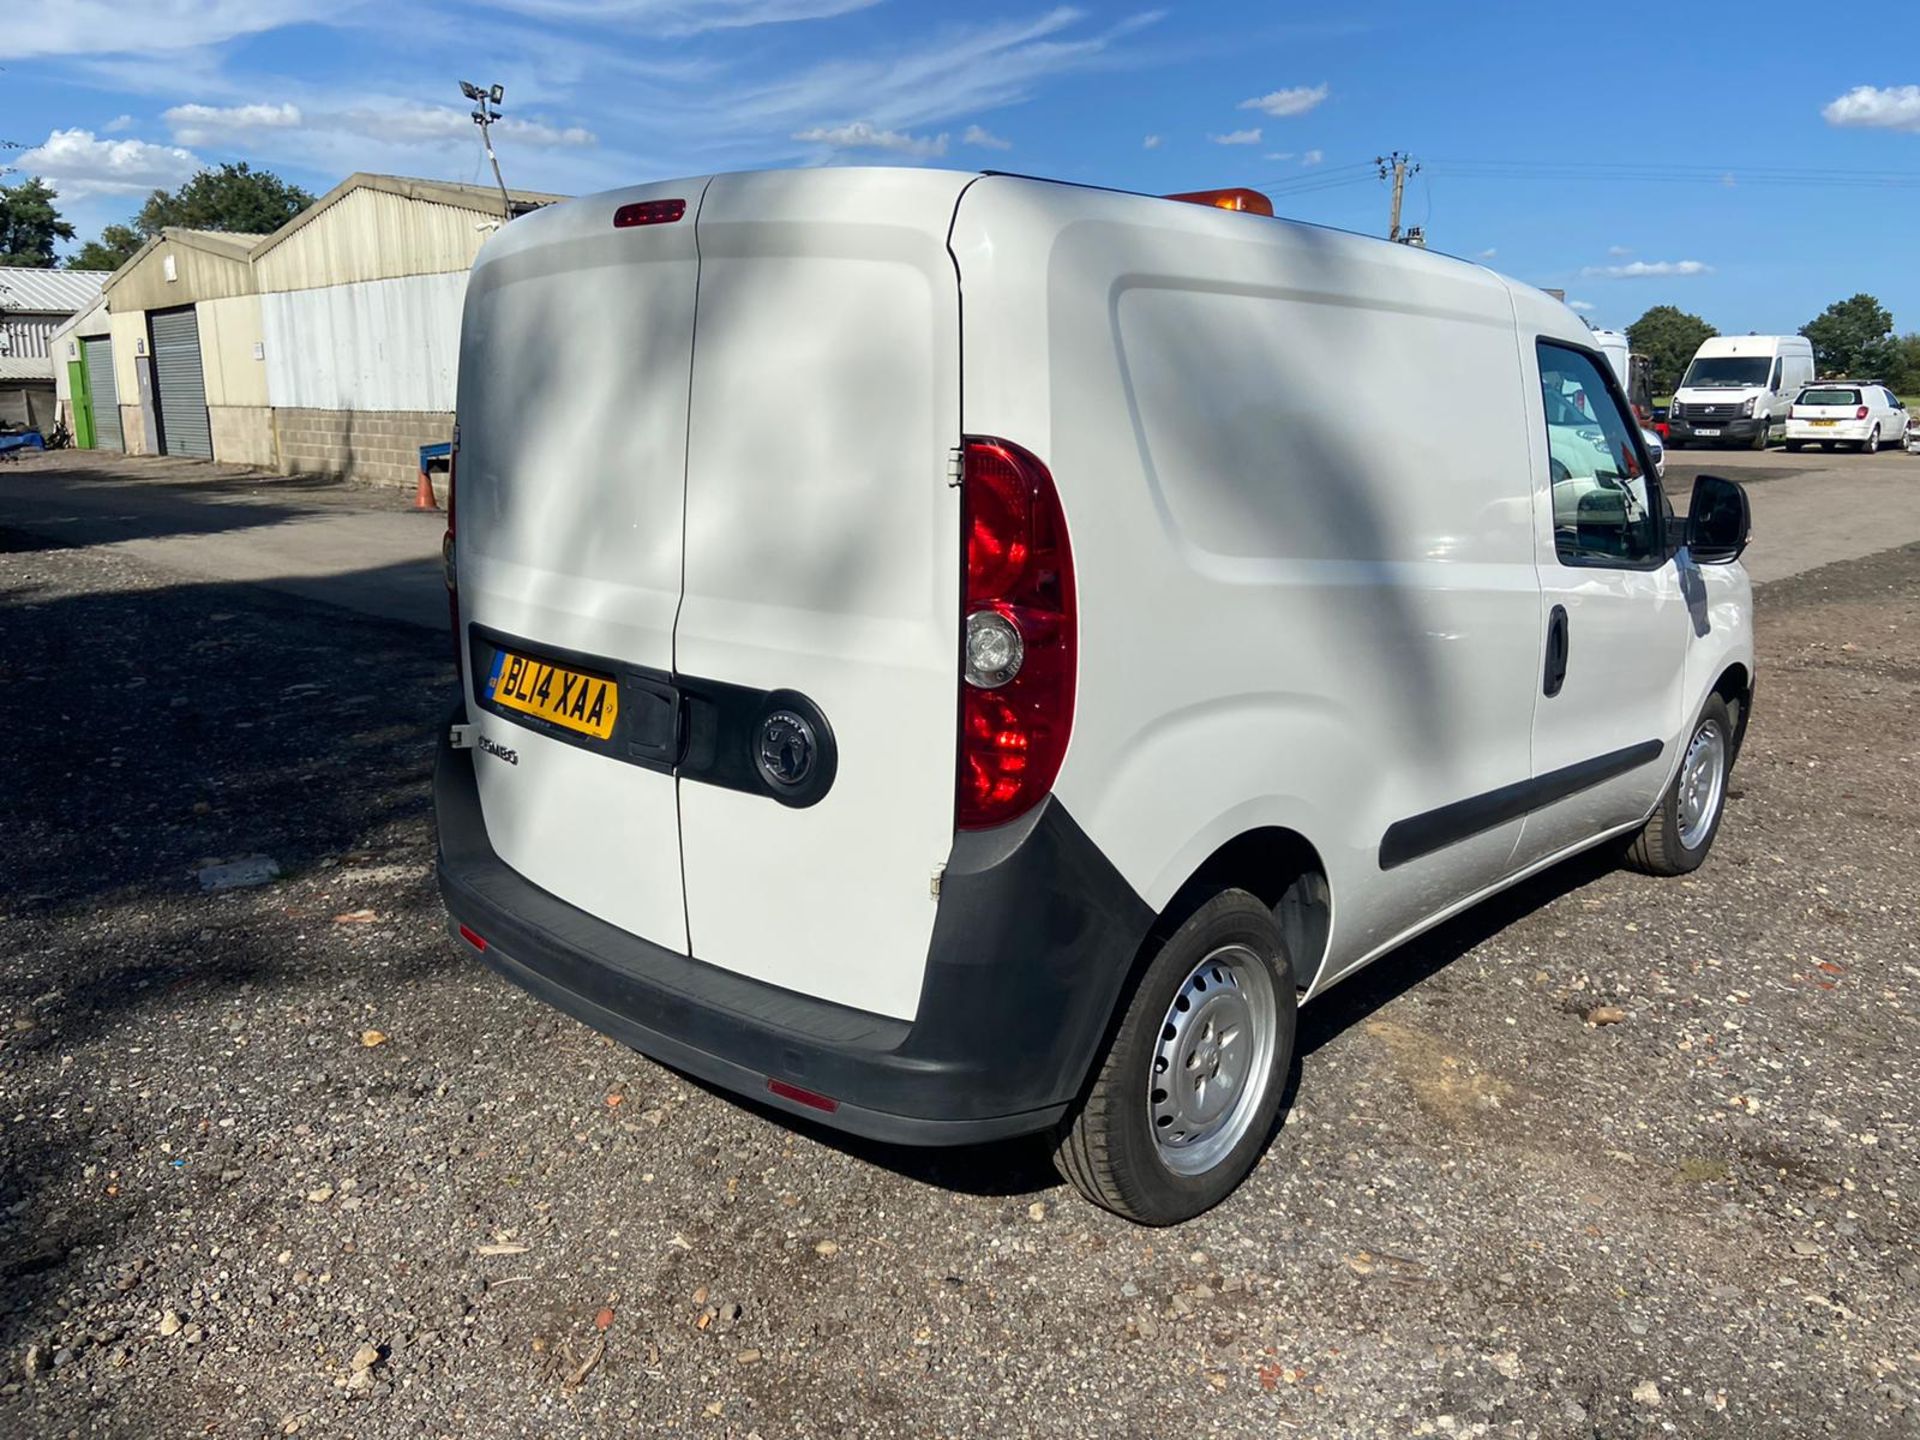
<point>486,110</point>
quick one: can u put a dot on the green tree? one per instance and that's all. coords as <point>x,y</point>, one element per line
<point>1852,337</point>
<point>235,198</point>
<point>1903,373</point>
<point>112,250</point>
<point>1668,336</point>
<point>29,225</point>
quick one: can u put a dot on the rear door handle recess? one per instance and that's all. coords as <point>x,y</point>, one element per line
<point>1557,647</point>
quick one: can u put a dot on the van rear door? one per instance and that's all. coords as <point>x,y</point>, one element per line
<point>575,350</point>
<point>820,621</point>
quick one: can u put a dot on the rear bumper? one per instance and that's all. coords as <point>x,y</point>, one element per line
<point>1032,944</point>
<point>1850,431</point>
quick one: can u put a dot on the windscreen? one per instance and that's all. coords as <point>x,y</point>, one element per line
<point>1721,372</point>
<point>1828,397</point>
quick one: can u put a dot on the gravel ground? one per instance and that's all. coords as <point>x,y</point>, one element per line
<point>278,1160</point>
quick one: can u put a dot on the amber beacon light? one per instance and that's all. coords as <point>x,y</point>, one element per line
<point>1238,198</point>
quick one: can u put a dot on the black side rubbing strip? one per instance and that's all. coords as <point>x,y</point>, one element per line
<point>1420,835</point>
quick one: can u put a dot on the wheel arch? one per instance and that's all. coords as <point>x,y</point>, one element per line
<point>1735,687</point>
<point>1282,869</point>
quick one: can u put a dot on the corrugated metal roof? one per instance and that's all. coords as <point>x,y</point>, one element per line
<point>51,292</point>
<point>25,367</point>
<point>484,199</point>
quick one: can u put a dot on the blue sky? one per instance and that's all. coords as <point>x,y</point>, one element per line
<point>1608,152</point>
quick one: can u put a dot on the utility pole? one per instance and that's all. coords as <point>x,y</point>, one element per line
<point>486,109</point>
<point>1399,167</point>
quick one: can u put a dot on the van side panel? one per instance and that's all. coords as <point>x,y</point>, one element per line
<point>822,556</point>
<point>1295,472</point>
<point>575,351</point>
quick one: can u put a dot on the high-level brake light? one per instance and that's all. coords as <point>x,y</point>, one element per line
<point>648,212</point>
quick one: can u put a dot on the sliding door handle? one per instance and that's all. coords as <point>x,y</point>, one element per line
<point>1558,644</point>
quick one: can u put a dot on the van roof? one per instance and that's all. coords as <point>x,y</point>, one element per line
<point>1753,345</point>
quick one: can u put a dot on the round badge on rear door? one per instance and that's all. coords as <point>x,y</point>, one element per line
<point>787,749</point>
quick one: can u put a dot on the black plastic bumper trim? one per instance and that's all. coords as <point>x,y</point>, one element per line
<point>1033,940</point>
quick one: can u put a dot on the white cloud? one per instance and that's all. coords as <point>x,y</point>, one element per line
<point>685,17</point>
<point>1642,269</point>
<point>950,74</point>
<point>444,122</point>
<point>1896,107</point>
<point>77,163</point>
<point>1279,155</point>
<point>1313,157</point>
<point>118,123</point>
<point>1151,142</point>
<point>862,136</point>
<point>1237,137</point>
<point>1281,103</point>
<point>211,124</point>
<point>985,139</point>
<point>1619,250</point>
<point>1487,254</point>
<point>1581,305</point>
<point>112,27</point>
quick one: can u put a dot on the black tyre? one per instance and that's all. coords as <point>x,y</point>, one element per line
<point>1675,442</point>
<point>1871,445</point>
<point>1680,833</point>
<point>1762,436</point>
<point>1184,1100</point>
<point>1793,447</point>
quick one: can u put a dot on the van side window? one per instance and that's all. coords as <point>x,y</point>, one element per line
<point>1606,507</point>
<point>1773,383</point>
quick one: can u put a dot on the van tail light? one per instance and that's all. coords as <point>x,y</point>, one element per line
<point>448,566</point>
<point>1861,413</point>
<point>1020,647</point>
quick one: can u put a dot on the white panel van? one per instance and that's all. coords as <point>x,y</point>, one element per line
<point>1738,389</point>
<point>933,660</point>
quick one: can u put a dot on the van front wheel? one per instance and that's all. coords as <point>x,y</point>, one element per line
<point>1184,1099</point>
<point>1680,832</point>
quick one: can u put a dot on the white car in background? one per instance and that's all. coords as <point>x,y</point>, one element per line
<point>1863,414</point>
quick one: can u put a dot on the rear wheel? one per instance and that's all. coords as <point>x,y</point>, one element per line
<point>1185,1097</point>
<point>1680,832</point>
<point>1793,447</point>
<point>1871,445</point>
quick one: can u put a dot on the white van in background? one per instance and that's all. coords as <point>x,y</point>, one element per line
<point>951,721</point>
<point>1634,372</point>
<point>1739,389</point>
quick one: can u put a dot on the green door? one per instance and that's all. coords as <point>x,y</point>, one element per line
<point>82,404</point>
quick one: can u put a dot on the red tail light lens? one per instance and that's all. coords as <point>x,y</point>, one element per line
<point>1016,702</point>
<point>1861,413</point>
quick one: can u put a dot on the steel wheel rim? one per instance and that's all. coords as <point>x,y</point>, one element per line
<point>1213,1060</point>
<point>1703,783</point>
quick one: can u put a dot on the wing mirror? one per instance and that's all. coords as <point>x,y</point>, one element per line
<point>1656,451</point>
<point>1719,521</point>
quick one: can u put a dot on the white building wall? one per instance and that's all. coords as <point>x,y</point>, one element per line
<point>373,345</point>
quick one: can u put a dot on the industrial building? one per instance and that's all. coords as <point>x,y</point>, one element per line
<point>34,304</point>
<point>330,346</point>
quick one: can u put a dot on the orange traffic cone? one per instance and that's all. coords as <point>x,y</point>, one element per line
<point>423,494</point>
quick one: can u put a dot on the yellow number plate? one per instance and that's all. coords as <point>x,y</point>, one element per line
<point>1823,422</point>
<point>585,703</point>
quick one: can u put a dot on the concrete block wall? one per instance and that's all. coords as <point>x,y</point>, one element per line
<point>242,434</point>
<point>381,447</point>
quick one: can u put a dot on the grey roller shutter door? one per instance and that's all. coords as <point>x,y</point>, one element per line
<point>177,380</point>
<point>106,401</point>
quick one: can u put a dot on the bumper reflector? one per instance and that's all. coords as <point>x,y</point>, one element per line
<point>472,939</point>
<point>803,1097</point>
